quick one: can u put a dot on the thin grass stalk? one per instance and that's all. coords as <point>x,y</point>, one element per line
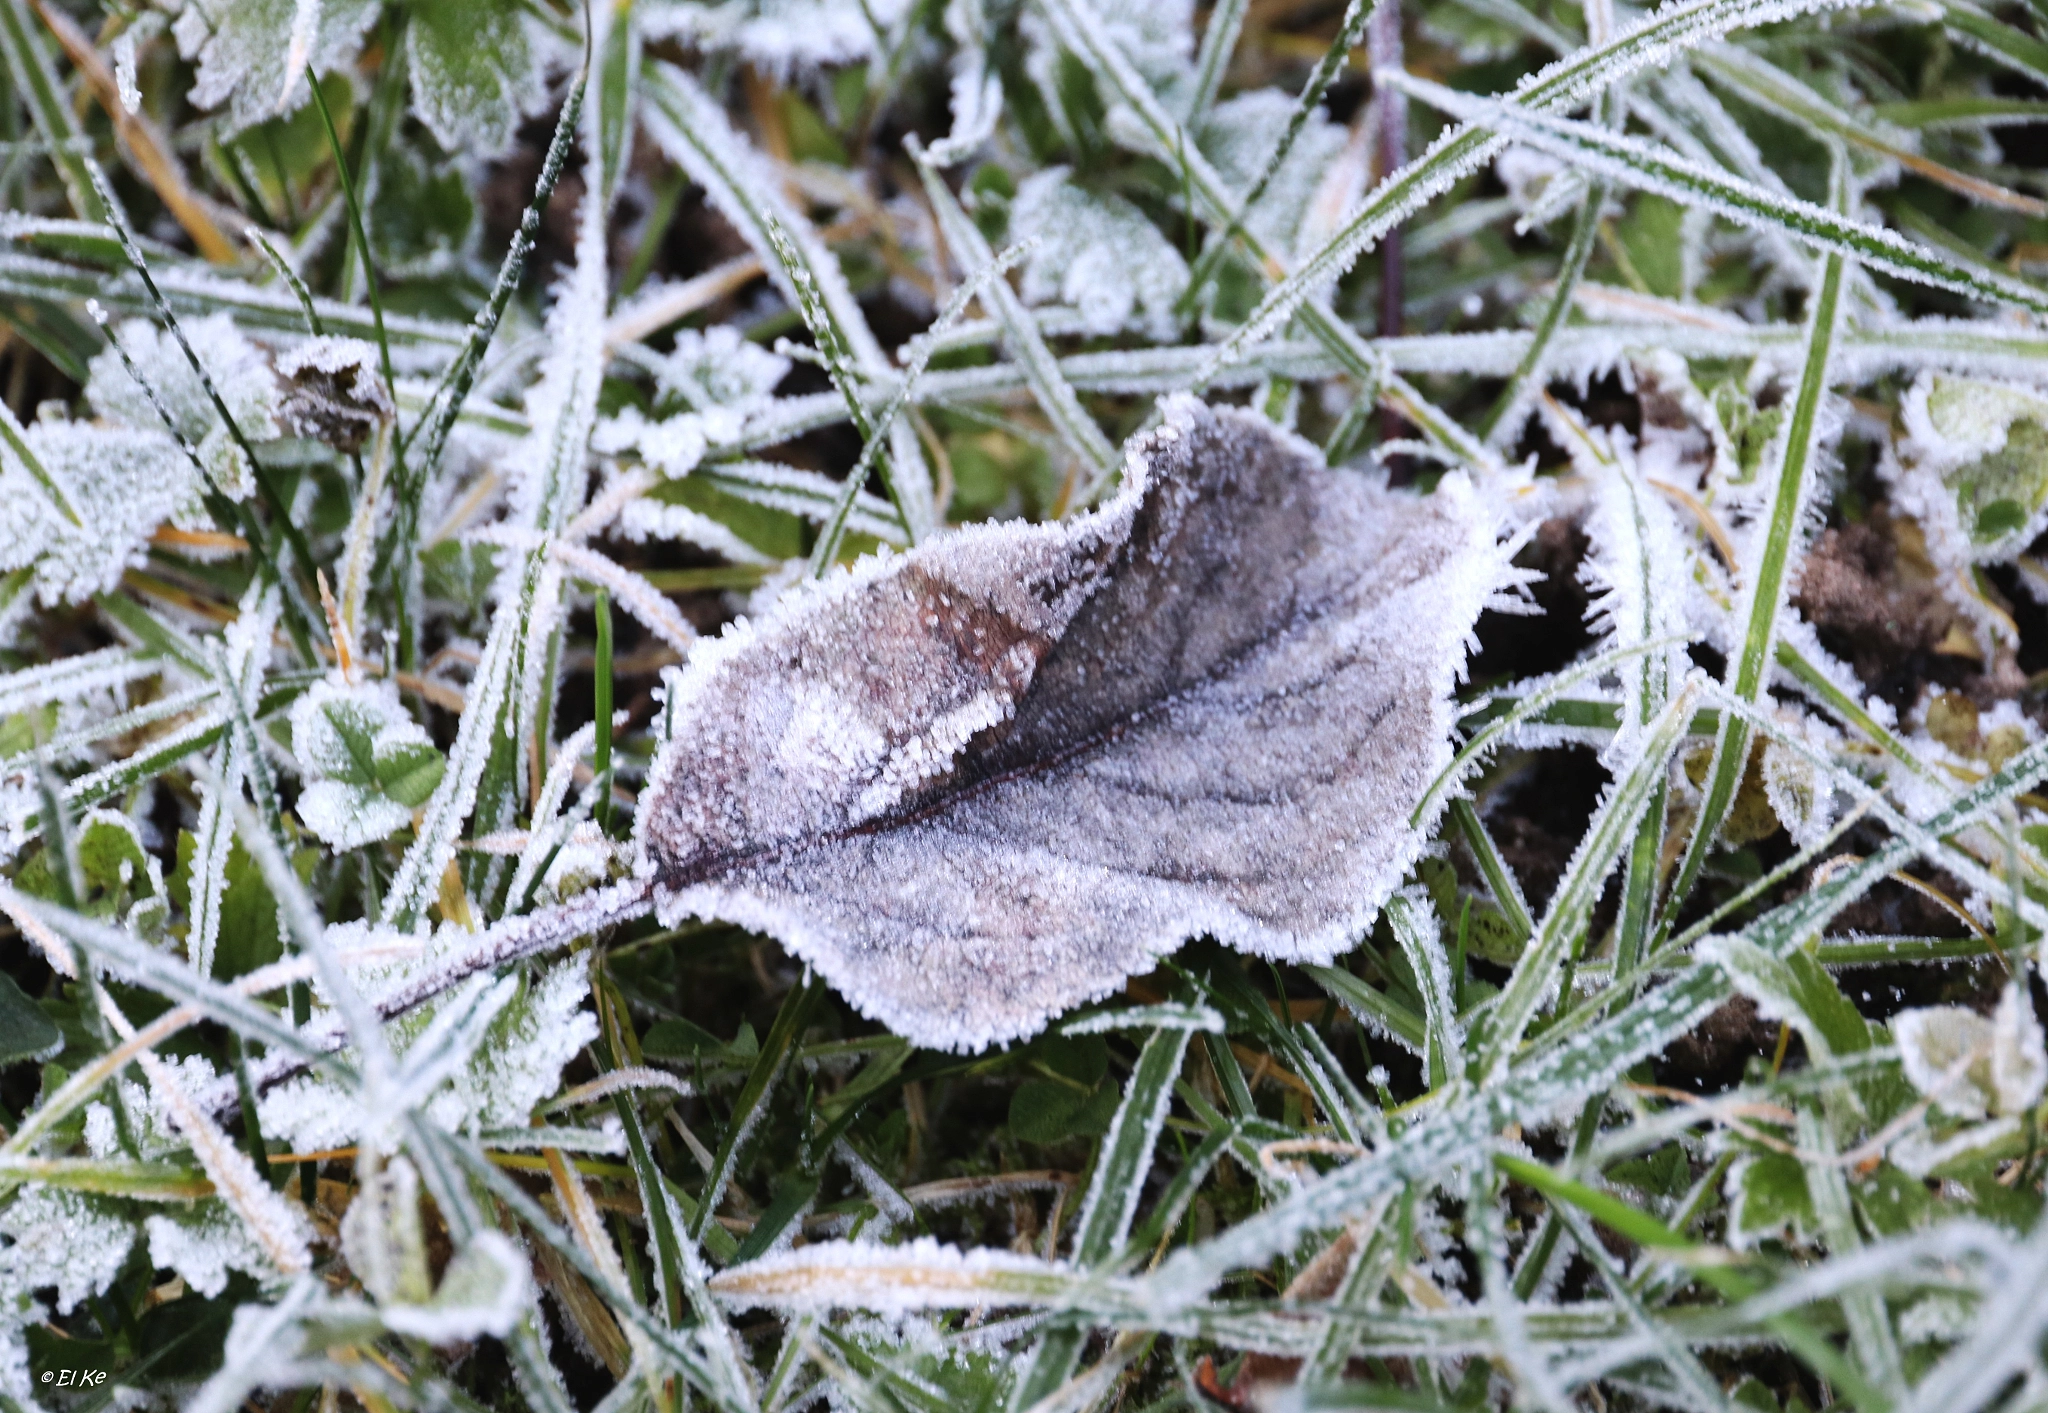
<point>1770,580</point>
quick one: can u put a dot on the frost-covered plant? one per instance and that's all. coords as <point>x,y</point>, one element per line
<point>1051,705</point>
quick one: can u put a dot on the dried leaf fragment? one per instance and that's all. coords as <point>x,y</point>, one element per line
<point>980,783</point>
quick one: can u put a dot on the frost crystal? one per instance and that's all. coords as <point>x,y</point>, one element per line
<point>149,1121</point>
<point>368,764</point>
<point>65,1239</point>
<point>720,367</point>
<point>517,1064</point>
<point>245,50</point>
<point>985,781</point>
<point>1239,137</point>
<point>121,484</point>
<point>1973,465</point>
<point>781,36</point>
<point>1971,1066</point>
<point>1098,253</point>
<point>204,1245</point>
<point>237,368</point>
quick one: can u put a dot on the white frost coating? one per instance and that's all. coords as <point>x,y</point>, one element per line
<point>382,1237</point>
<point>549,476</point>
<point>1800,794</point>
<point>984,781</point>
<point>634,593</point>
<point>237,368</point>
<point>644,520</point>
<point>517,1064</point>
<point>1972,469</point>
<point>484,1291</point>
<point>1638,569</point>
<point>1200,1018</point>
<point>250,52</point>
<point>333,726</point>
<point>1239,136</point>
<point>889,1280</point>
<point>204,1245</point>
<point>585,859</point>
<point>779,37</point>
<point>1973,1067</point>
<point>75,1242</point>
<point>1098,253</point>
<point>70,678</point>
<point>149,1121</point>
<point>122,482</point>
<point>720,367</point>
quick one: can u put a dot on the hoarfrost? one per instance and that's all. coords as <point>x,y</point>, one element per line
<point>1239,137</point>
<point>720,367</point>
<point>475,73</point>
<point>245,51</point>
<point>888,1280</point>
<point>517,1064</point>
<point>121,482</point>
<point>75,1242</point>
<point>368,763</point>
<point>1972,467</point>
<point>382,1237</point>
<point>203,1245</point>
<point>484,1291</point>
<point>149,1121</point>
<point>1973,1067</point>
<point>1098,253</point>
<point>780,37</point>
<point>983,782</point>
<point>237,368</point>
<point>1800,793</point>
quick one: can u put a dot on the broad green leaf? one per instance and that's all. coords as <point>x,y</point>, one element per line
<point>473,72</point>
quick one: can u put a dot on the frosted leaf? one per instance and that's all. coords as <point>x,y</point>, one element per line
<point>720,367</point>
<point>1098,253</point>
<point>517,1065</point>
<point>1973,465</point>
<point>75,1242</point>
<point>585,860</point>
<point>985,781</point>
<point>204,1244</point>
<point>1800,793</point>
<point>780,36</point>
<point>122,483</point>
<point>246,53</point>
<point>919,1275</point>
<point>368,763</point>
<point>156,1136</point>
<point>237,368</point>
<point>474,73</point>
<point>1970,1066</point>
<point>332,391</point>
<point>672,446</point>
<point>383,1239</point>
<point>521,1061</point>
<point>484,1291</point>
<point>1239,137</point>
<point>1157,37</point>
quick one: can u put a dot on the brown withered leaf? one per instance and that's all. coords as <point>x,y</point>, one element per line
<point>332,392</point>
<point>987,780</point>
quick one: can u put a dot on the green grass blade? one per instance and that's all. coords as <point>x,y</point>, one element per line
<point>1770,578</point>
